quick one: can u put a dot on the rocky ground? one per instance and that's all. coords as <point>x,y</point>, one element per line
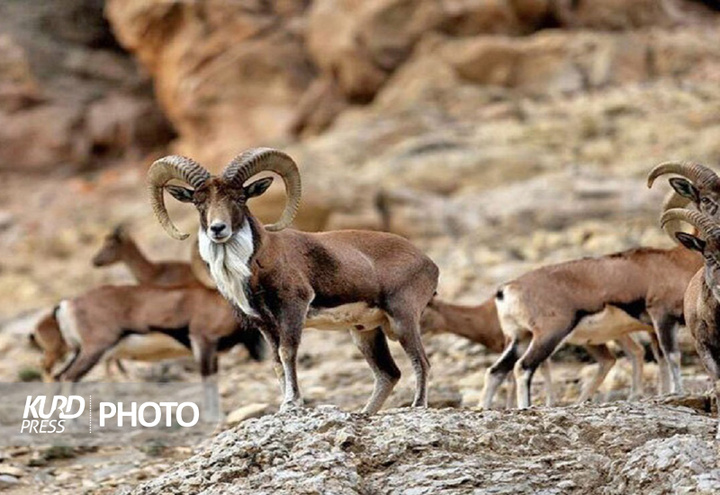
<point>615,448</point>
<point>497,139</point>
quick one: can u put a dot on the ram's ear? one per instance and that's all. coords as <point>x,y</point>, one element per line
<point>182,194</point>
<point>690,241</point>
<point>258,187</point>
<point>686,189</point>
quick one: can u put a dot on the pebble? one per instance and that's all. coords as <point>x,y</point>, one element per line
<point>12,471</point>
<point>6,480</point>
<point>247,412</point>
<point>64,476</point>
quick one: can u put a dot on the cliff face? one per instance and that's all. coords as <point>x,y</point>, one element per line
<point>232,74</point>
<point>252,50</point>
<point>70,97</point>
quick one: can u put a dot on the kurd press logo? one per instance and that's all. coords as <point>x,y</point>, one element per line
<point>106,413</point>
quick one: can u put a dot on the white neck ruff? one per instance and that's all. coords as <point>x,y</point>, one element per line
<point>228,264</point>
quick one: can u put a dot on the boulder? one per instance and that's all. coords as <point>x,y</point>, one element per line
<point>246,412</point>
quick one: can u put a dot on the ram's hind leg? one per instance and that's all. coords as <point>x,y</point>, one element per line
<point>405,325</point>
<point>663,380</point>
<point>665,327</point>
<point>373,346</point>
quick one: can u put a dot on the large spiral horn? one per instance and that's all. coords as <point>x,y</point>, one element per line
<point>700,175</point>
<point>160,173</point>
<point>256,160</point>
<point>705,225</point>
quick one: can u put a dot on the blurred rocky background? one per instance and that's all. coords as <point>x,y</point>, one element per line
<point>498,135</point>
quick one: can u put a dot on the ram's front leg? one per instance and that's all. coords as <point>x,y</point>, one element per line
<point>272,336</point>
<point>290,331</point>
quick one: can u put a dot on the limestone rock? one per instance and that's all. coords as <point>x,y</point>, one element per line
<point>680,464</point>
<point>11,471</point>
<point>626,446</point>
<point>7,481</point>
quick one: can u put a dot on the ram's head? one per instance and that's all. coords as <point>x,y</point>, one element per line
<point>221,200</point>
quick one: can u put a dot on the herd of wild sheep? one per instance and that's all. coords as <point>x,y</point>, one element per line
<point>248,280</point>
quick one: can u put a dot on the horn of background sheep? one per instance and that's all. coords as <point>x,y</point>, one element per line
<point>705,225</point>
<point>673,200</point>
<point>200,269</point>
<point>163,171</point>
<point>700,175</point>
<point>257,160</point>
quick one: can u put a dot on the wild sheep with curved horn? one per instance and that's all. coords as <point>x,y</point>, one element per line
<point>375,284</point>
<point>696,183</point>
<point>702,298</point>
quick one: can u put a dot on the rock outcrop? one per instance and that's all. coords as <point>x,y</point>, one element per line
<point>615,448</point>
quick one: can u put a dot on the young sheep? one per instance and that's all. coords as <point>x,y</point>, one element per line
<point>479,324</point>
<point>119,247</point>
<point>375,284</point>
<point>482,325</point>
<point>141,322</point>
<point>634,285</point>
<point>702,298</point>
<point>543,306</point>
